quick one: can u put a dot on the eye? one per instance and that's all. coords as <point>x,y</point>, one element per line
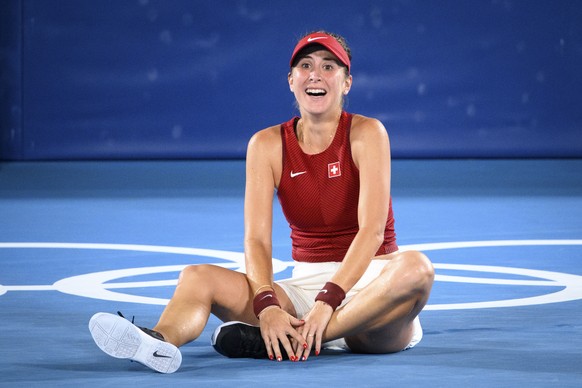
<point>304,65</point>
<point>328,67</point>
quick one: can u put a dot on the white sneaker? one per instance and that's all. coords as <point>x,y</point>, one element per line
<point>120,338</point>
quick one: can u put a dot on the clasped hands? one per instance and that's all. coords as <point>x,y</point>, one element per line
<point>297,337</point>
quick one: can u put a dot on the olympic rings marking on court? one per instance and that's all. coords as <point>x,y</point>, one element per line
<point>97,285</point>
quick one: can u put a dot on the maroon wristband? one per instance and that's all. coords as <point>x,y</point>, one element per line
<point>332,294</point>
<point>264,300</point>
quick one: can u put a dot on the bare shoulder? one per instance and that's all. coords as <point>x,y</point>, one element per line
<point>265,140</point>
<point>264,154</point>
<point>367,129</point>
<point>370,143</point>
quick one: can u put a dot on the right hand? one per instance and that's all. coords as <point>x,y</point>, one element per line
<point>278,328</point>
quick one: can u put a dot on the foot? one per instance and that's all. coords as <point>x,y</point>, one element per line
<point>120,338</point>
<point>238,340</point>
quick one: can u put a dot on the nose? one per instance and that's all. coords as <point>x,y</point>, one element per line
<point>314,75</point>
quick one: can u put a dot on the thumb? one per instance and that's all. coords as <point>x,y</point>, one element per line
<point>296,322</point>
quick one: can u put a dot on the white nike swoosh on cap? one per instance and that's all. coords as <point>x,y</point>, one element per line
<point>310,39</point>
<point>294,174</point>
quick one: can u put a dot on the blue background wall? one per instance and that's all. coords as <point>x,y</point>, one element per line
<point>128,79</point>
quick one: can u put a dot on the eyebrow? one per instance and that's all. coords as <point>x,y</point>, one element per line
<point>330,58</point>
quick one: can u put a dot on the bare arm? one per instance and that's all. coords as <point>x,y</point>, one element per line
<point>258,211</point>
<point>371,154</point>
<point>263,172</point>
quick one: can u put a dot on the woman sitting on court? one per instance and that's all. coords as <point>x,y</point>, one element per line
<point>331,172</point>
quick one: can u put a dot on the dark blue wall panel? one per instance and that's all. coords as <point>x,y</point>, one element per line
<point>10,80</point>
<point>119,79</point>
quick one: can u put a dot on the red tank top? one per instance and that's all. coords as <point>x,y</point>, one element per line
<point>319,197</point>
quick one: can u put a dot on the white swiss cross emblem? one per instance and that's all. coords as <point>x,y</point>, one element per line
<point>334,170</point>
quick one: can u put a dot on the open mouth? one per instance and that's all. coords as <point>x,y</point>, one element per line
<point>316,92</point>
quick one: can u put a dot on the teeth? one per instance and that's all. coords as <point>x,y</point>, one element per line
<point>315,91</point>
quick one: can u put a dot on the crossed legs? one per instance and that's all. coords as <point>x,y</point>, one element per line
<point>379,319</point>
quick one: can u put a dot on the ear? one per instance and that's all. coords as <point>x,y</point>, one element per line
<point>348,84</point>
<point>290,81</point>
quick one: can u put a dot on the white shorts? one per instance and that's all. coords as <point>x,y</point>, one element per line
<point>308,278</point>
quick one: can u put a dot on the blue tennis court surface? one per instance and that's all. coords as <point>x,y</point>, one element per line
<point>76,238</point>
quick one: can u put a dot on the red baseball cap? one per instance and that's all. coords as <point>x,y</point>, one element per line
<point>325,40</point>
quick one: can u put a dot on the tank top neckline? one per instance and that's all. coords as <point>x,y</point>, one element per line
<point>336,136</point>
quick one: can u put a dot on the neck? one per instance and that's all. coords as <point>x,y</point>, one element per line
<point>316,133</point>
<point>321,119</point>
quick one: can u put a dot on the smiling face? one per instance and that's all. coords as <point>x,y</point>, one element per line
<point>319,82</point>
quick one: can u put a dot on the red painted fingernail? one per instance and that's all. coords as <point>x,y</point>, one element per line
<point>317,353</point>
<point>304,346</point>
<point>270,356</point>
<point>303,358</point>
<point>279,359</point>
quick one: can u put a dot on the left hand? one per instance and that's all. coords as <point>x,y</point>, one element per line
<point>316,321</point>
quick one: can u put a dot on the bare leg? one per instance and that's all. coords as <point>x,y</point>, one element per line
<point>379,319</point>
<point>202,290</point>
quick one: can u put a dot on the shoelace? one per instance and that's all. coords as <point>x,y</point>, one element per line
<point>150,332</point>
<point>122,316</point>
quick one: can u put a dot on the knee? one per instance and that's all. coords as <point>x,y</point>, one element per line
<point>421,270</point>
<point>415,273</point>
<point>194,274</point>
